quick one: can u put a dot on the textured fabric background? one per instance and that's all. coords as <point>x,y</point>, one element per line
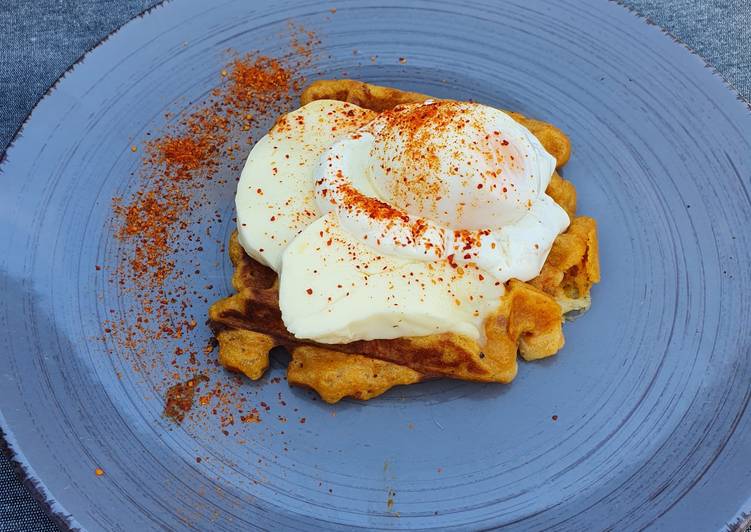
<point>40,39</point>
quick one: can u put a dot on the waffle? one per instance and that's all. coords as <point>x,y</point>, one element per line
<point>528,321</point>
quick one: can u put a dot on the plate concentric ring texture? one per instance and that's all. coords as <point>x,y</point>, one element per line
<point>650,393</point>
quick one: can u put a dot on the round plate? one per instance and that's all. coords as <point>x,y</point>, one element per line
<point>651,392</point>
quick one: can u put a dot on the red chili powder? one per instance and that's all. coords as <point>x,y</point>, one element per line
<point>179,400</point>
<point>163,220</point>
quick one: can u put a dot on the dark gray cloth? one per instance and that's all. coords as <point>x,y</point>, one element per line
<point>717,30</point>
<point>40,39</point>
<point>18,509</point>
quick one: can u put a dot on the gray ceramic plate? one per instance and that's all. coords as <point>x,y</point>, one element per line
<point>651,390</point>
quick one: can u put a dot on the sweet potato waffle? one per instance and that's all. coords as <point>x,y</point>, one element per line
<point>528,321</point>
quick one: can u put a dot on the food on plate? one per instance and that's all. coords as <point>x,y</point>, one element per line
<point>385,238</point>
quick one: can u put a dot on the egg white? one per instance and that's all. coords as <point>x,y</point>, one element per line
<point>336,287</point>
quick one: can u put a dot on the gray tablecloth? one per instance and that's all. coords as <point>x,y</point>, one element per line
<point>40,39</point>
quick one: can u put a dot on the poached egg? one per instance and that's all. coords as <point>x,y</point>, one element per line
<point>403,223</point>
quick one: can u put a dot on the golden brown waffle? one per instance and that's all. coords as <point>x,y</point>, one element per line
<point>528,321</point>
